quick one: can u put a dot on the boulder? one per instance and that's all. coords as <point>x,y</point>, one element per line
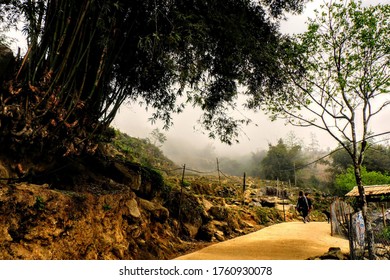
<point>334,253</point>
<point>157,212</point>
<point>271,191</point>
<point>212,231</point>
<point>190,230</point>
<point>206,204</point>
<point>125,175</point>
<point>132,208</point>
<point>219,235</point>
<point>268,202</point>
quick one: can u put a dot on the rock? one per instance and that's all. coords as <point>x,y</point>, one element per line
<point>206,204</point>
<point>255,203</point>
<point>334,253</point>
<point>206,233</point>
<point>219,213</point>
<point>271,191</point>
<point>219,235</point>
<point>214,230</point>
<point>268,202</point>
<point>248,225</point>
<point>158,212</point>
<point>124,175</point>
<point>381,252</point>
<point>132,209</point>
<point>190,230</point>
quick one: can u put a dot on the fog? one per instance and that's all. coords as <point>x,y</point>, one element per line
<point>187,135</point>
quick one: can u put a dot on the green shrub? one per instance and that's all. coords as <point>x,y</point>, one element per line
<point>346,181</point>
<point>39,203</point>
<point>386,233</point>
<point>107,207</point>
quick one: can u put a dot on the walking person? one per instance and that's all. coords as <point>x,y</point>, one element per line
<point>310,205</point>
<point>302,206</point>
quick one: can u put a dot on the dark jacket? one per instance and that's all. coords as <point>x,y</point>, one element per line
<point>302,203</point>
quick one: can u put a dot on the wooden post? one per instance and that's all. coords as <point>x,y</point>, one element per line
<point>295,176</point>
<point>383,214</point>
<point>219,173</point>
<point>350,237</point>
<point>181,195</point>
<point>330,219</point>
<point>243,189</point>
<point>243,185</point>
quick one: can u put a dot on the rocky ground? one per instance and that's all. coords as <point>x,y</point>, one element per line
<point>115,209</point>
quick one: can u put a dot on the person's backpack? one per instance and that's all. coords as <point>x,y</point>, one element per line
<point>302,203</point>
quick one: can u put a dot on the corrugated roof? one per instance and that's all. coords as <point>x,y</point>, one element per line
<point>371,190</point>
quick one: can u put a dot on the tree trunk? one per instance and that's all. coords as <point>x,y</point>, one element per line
<point>366,217</point>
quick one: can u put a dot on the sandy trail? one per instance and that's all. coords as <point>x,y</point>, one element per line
<point>285,241</point>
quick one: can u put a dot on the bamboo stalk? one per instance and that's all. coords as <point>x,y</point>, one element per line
<point>70,46</point>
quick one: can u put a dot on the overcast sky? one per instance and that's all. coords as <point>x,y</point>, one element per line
<point>134,120</point>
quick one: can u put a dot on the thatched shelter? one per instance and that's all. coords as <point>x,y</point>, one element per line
<point>373,192</point>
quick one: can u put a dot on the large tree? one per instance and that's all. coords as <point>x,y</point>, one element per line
<point>344,56</point>
<point>281,161</point>
<point>86,57</point>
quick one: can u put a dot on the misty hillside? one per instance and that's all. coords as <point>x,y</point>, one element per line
<point>287,160</point>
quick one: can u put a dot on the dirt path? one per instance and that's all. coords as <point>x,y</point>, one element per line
<point>285,241</point>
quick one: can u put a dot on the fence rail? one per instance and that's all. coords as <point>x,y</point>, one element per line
<point>350,224</point>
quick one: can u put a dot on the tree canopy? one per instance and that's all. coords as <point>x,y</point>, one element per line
<point>86,57</point>
<point>281,161</point>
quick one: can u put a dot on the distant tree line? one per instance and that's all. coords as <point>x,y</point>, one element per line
<point>295,163</point>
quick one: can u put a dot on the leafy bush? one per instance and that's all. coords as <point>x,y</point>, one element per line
<point>385,234</point>
<point>39,203</point>
<point>346,181</point>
